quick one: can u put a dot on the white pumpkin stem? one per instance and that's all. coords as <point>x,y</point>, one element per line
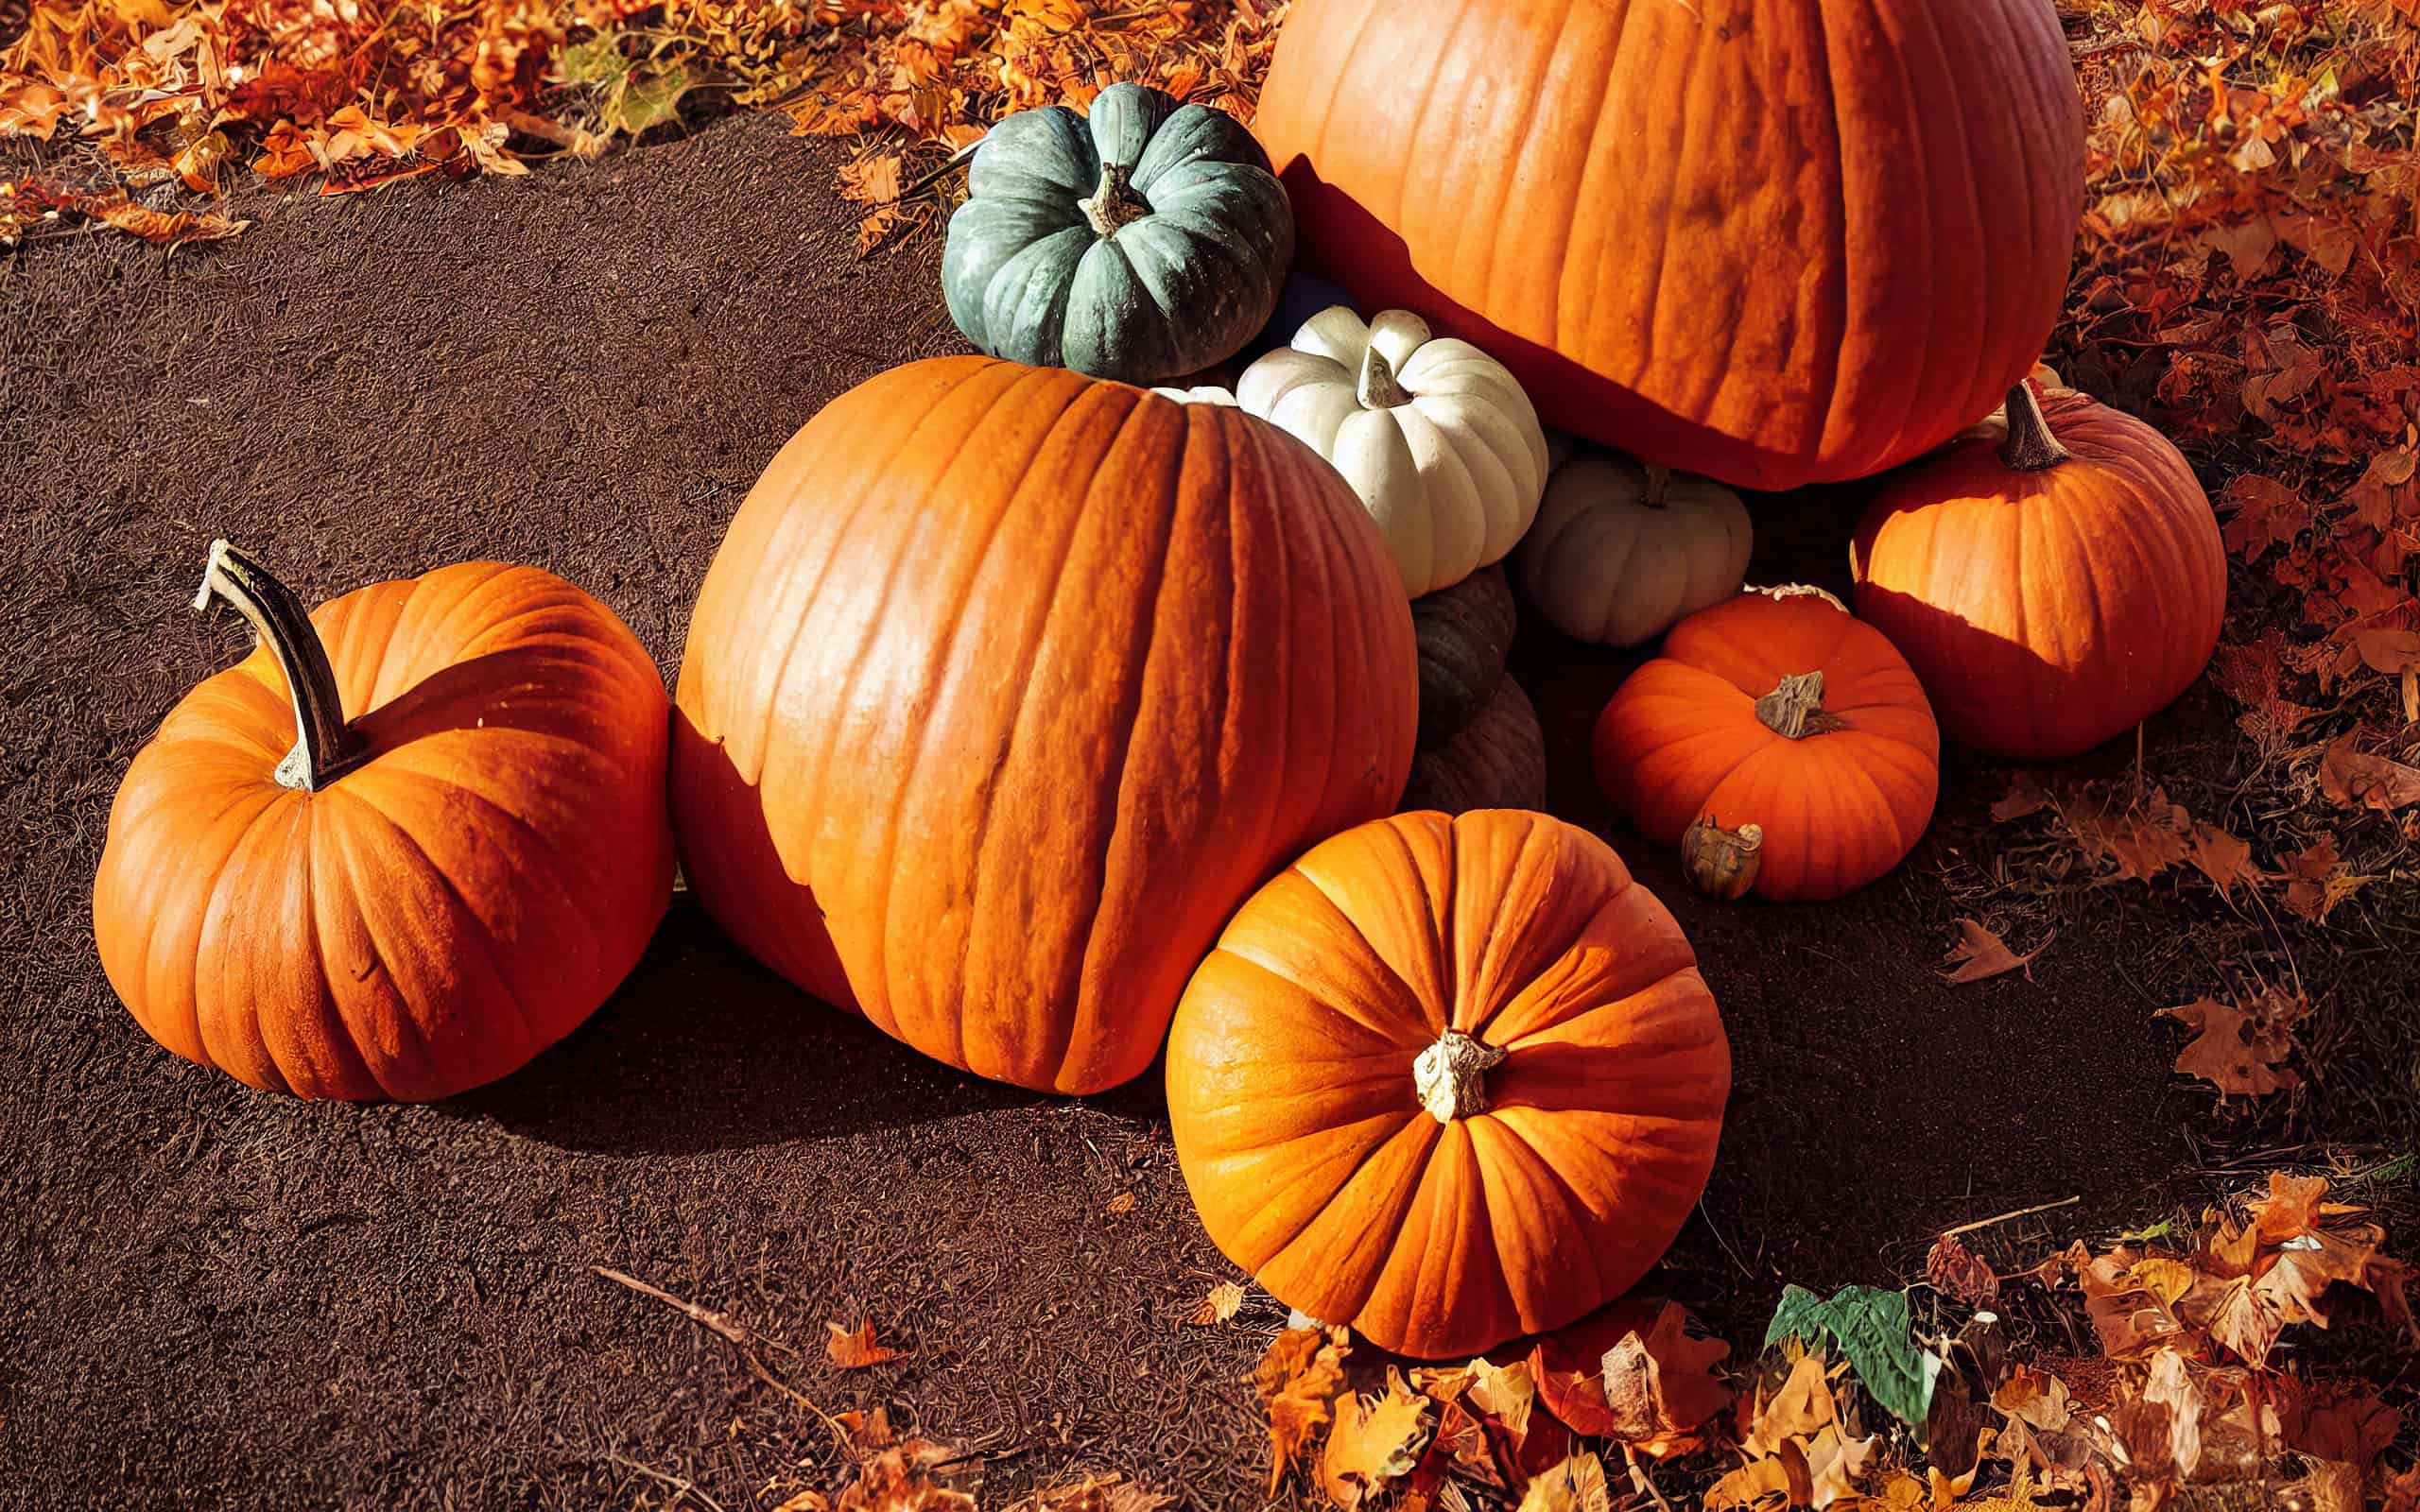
<point>1784,591</point>
<point>1451,1076</point>
<point>1113,204</point>
<point>2031,447</point>
<point>1795,708</point>
<point>1377,387</point>
<point>1659,479</point>
<point>326,748</point>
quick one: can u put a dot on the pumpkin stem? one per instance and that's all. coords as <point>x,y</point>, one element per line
<point>1795,708</point>
<point>1113,204</point>
<point>1377,387</point>
<point>2029,447</point>
<point>326,748</point>
<point>1451,1076</point>
<point>1721,863</point>
<point>1788,591</point>
<point>1658,479</point>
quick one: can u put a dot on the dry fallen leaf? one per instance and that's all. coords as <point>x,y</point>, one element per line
<point>909,1477</point>
<point>1095,1493</point>
<point>2317,881</point>
<point>1634,1372</point>
<point>2223,858</point>
<point>2357,780</point>
<point>1219,1305</point>
<point>2240,1051</point>
<point>855,1350</point>
<point>1954,1269</point>
<point>1577,1484</point>
<point>1980,953</point>
<point>1122,1203</point>
<point>1297,1380</point>
<point>1375,1440</point>
<point>1505,1393</point>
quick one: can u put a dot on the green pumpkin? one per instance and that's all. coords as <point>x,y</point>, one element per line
<point>1145,240</point>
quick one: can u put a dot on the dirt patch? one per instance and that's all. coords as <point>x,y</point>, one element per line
<point>226,1297</point>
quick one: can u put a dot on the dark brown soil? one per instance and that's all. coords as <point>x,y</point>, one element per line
<point>224,1297</point>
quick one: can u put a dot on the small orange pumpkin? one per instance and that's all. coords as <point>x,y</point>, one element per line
<point>1777,720</point>
<point>413,839</point>
<point>2055,579</point>
<point>1448,1081</point>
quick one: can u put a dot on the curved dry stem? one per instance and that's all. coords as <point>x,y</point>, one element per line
<point>2029,447</point>
<point>326,748</point>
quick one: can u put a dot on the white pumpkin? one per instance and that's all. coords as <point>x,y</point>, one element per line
<point>1620,552</point>
<point>1436,436</point>
<point>1207,394</point>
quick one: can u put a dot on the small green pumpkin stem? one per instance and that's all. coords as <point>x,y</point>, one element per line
<point>1659,478</point>
<point>1113,204</point>
<point>1451,1076</point>
<point>1377,387</point>
<point>2029,447</point>
<point>1795,708</point>
<point>326,748</point>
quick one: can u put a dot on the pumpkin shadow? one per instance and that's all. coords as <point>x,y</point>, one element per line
<point>1338,238</point>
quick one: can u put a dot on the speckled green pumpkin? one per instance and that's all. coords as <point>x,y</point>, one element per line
<point>1140,242</point>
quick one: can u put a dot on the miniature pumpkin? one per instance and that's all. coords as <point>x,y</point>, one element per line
<point>1465,633</point>
<point>1007,685</point>
<point>1436,436</point>
<point>1448,1081</point>
<point>1619,552</point>
<point>2055,583</point>
<point>1773,242</point>
<point>1144,240</point>
<point>1778,711</point>
<point>1497,761</point>
<point>412,840</point>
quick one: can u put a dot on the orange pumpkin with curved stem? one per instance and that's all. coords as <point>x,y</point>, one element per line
<point>1008,685</point>
<point>412,840</point>
<point>2055,579</point>
<point>1448,1081</point>
<point>1775,712</point>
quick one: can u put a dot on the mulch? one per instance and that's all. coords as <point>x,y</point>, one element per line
<point>224,1297</point>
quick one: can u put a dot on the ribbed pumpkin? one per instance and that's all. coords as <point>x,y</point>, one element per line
<point>455,860</point>
<point>1465,633</point>
<point>1497,761</point>
<point>1448,1081</point>
<point>1619,552</point>
<point>1778,718</point>
<point>1007,685</point>
<point>2055,583</point>
<point>1770,241</point>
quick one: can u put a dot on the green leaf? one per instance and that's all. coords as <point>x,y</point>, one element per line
<point>597,62</point>
<point>647,99</point>
<point>1873,1329</point>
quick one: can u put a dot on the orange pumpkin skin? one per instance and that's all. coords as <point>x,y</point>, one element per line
<point>2052,609</point>
<point>434,918</point>
<point>1774,242</point>
<point>1295,1098</point>
<point>1682,739</point>
<point>1007,685</point>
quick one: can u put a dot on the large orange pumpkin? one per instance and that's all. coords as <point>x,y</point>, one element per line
<point>2054,581</point>
<point>1008,685</point>
<point>1448,1081</point>
<point>409,842</point>
<point>1770,241</point>
<point>1794,731</point>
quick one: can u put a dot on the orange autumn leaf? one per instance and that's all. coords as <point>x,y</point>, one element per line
<point>166,229</point>
<point>2223,858</point>
<point>1634,1371</point>
<point>856,1348</point>
<point>1222,1303</point>
<point>872,180</point>
<point>2357,780</point>
<point>2317,881</point>
<point>1375,1440</point>
<point>2241,1051</point>
<point>1297,1381</point>
<point>1980,953</point>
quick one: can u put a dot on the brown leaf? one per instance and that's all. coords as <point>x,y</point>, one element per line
<point>163,228</point>
<point>1121,1204</point>
<point>872,180</point>
<point>1577,1484</point>
<point>2355,780</point>
<point>1297,1380</point>
<point>1980,954</point>
<point>2389,651</point>
<point>1219,1305</point>
<point>1097,1493</point>
<point>2171,1387</point>
<point>1633,1372</point>
<point>1800,1409</point>
<point>1376,1439</point>
<point>2025,794</point>
<point>2317,881</point>
<point>1952,1268</point>
<point>2241,1052</point>
<point>909,1477</point>
<point>1505,1393</point>
<point>855,1350</point>
<point>2223,858</point>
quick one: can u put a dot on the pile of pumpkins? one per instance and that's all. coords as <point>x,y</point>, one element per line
<point>1047,720</point>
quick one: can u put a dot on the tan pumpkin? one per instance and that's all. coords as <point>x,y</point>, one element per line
<point>2054,582</point>
<point>1448,1081</point>
<point>1007,685</point>
<point>1620,552</point>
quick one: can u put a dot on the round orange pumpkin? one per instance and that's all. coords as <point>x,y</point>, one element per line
<point>410,841</point>
<point>2055,582</point>
<point>1448,1081</point>
<point>1775,711</point>
<point>1773,242</point>
<point>1008,685</point>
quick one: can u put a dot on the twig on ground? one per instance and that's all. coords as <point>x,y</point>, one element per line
<point>680,1487</point>
<point>741,1337</point>
<point>2003,1217</point>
